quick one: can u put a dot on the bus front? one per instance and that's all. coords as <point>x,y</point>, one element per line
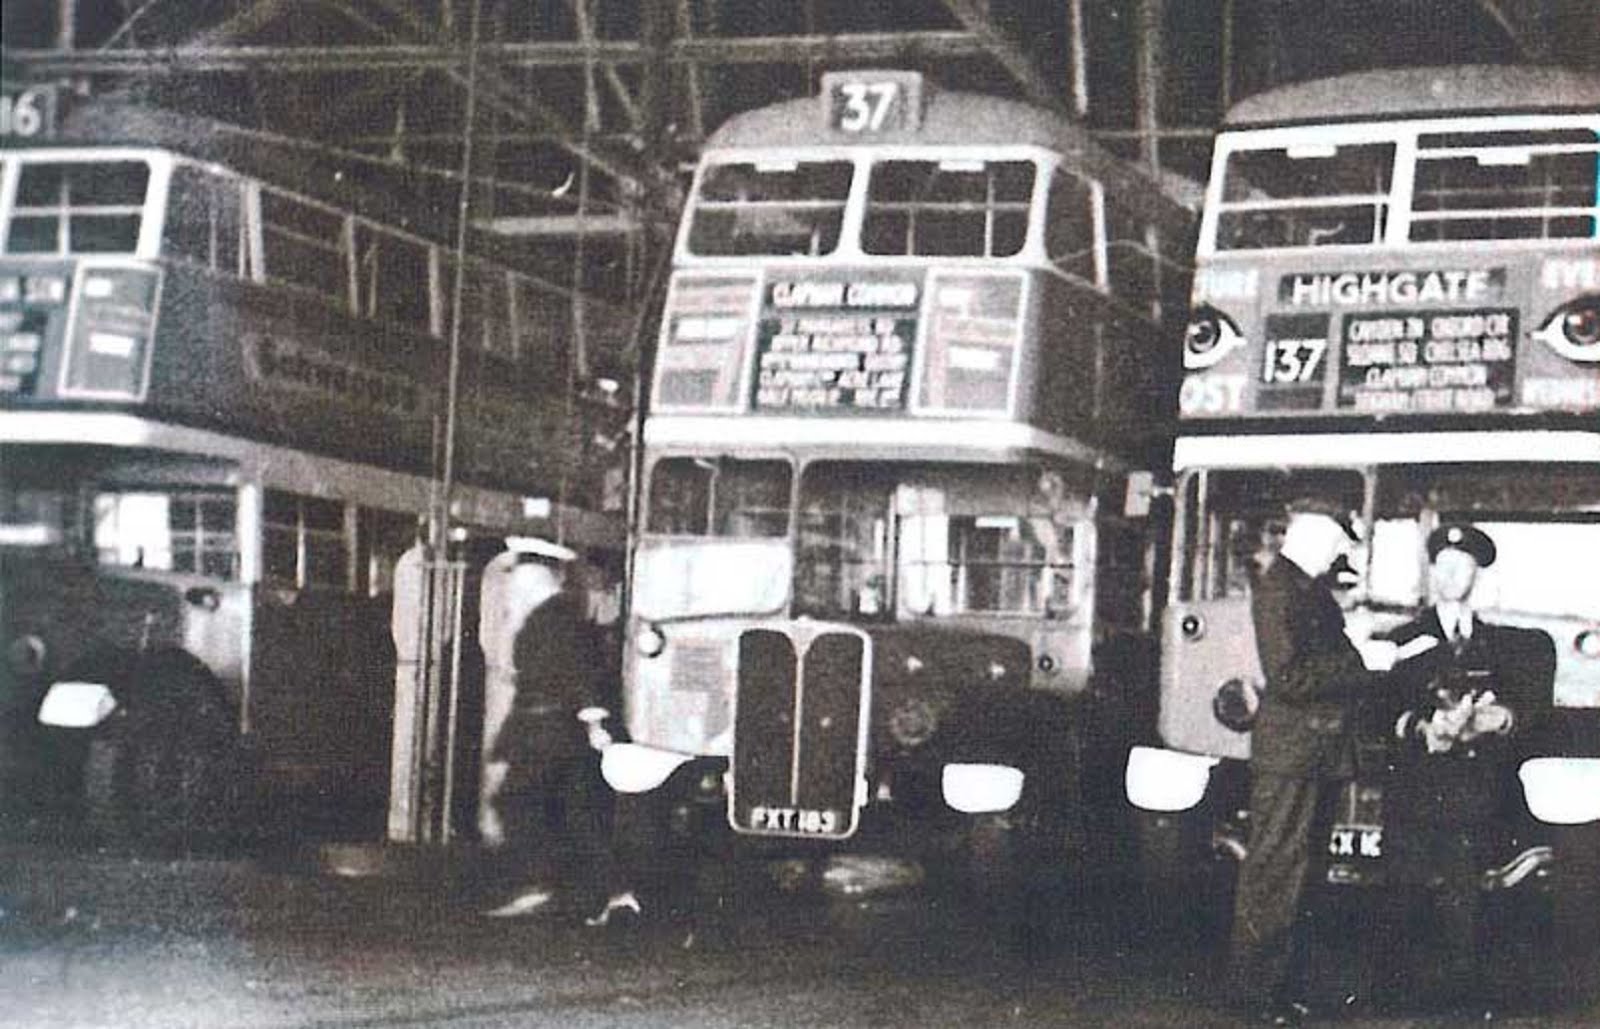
<point>1400,312</point>
<point>865,564</point>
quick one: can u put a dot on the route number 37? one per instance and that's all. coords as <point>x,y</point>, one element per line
<point>865,106</point>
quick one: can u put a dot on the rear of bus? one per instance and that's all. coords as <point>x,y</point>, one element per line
<point>1399,311</point>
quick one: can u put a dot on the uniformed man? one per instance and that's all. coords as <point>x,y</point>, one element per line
<point>1302,752</point>
<point>1460,712</point>
<point>551,804</point>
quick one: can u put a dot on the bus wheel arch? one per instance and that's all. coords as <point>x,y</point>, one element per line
<point>165,770</point>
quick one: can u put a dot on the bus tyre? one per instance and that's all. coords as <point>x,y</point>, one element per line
<point>164,774</point>
<point>1180,880</point>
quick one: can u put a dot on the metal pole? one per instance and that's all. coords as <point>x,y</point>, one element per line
<point>1080,60</point>
<point>1150,18</point>
<point>439,571</point>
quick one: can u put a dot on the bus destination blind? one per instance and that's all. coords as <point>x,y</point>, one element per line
<point>835,345</point>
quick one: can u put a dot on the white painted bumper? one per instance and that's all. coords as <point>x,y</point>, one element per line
<point>1166,780</point>
<point>76,705</point>
<point>975,789</point>
<point>1562,790</point>
<point>636,768</point>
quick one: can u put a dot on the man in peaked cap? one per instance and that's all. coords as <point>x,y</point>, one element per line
<point>550,799</point>
<point>1302,751</point>
<point>1461,714</point>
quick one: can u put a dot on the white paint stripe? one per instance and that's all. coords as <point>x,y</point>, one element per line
<point>294,470</point>
<point>1364,448</point>
<point>922,434</point>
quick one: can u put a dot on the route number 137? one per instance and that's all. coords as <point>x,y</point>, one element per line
<point>1293,360</point>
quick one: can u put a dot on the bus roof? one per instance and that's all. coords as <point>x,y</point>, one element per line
<point>1421,92</point>
<point>953,119</point>
<point>948,117</point>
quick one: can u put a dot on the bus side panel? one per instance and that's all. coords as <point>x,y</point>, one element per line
<point>1099,376</point>
<point>276,365</point>
<point>322,692</point>
<point>1205,645</point>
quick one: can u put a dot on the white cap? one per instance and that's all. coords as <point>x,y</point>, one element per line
<point>537,547</point>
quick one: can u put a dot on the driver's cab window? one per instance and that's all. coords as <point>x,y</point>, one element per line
<point>699,496</point>
<point>192,531</point>
<point>1233,523</point>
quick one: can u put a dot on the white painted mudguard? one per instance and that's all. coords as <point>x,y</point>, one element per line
<point>1562,790</point>
<point>1166,780</point>
<point>76,705</point>
<point>975,789</point>
<point>636,768</point>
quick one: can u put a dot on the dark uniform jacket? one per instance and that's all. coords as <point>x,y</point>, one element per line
<point>559,668</point>
<point>1459,799</point>
<point>1314,677</point>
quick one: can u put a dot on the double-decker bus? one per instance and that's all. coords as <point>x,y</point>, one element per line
<point>1396,306</point>
<point>222,407</point>
<point>884,557</point>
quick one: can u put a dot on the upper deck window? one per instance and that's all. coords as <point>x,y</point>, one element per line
<point>1305,196</point>
<point>78,207</point>
<point>776,209</point>
<point>948,208</point>
<point>1506,185</point>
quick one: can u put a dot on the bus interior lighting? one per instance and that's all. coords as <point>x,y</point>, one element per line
<point>1311,151</point>
<point>1504,157</point>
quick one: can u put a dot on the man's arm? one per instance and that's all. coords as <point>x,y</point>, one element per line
<point>1302,659</point>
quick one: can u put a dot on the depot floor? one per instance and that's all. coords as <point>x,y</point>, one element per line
<point>95,939</point>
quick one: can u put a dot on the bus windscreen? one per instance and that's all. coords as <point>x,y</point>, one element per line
<point>772,209</point>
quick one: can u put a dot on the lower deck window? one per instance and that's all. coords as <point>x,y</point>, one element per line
<point>303,541</point>
<point>170,531</point>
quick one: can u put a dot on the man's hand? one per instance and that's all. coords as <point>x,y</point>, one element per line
<point>599,738</point>
<point>1377,655</point>
<point>1448,726</point>
<point>1489,716</point>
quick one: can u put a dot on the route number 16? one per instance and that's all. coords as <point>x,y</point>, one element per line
<point>866,105</point>
<point>27,114</point>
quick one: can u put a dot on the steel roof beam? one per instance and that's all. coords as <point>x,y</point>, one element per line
<point>189,59</point>
<point>1525,30</point>
<point>974,17</point>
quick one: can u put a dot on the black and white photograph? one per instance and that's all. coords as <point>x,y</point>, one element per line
<point>799,514</point>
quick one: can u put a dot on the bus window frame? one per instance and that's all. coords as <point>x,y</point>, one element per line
<point>1404,133</point>
<point>152,218</point>
<point>860,156</point>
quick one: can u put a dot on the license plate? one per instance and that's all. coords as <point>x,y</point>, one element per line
<point>1356,841</point>
<point>795,820</point>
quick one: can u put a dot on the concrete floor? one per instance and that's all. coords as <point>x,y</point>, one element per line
<point>107,940</point>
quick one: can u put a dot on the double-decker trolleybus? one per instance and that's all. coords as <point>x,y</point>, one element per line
<point>1397,306</point>
<point>220,405</point>
<point>884,559</point>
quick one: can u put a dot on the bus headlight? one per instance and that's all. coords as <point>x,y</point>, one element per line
<point>1236,703</point>
<point>1210,337</point>
<point>1573,330</point>
<point>649,641</point>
